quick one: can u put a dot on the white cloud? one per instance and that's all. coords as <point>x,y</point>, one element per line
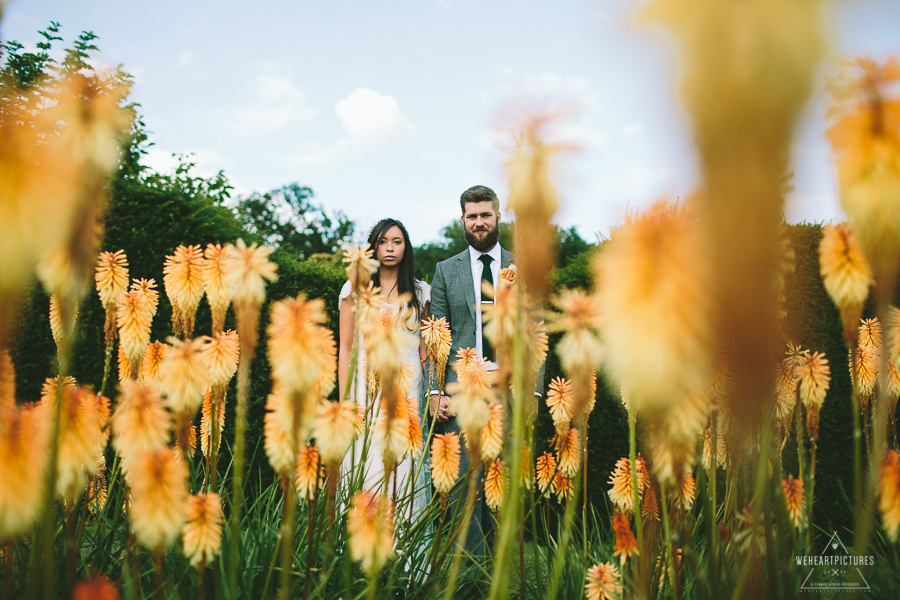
<point>366,114</point>
<point>276,104</point>
<point>633,129</point>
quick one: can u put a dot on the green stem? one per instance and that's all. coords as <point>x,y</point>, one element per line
<point>240,426</point>
<point>474,469</point>
<point>287,534</point>
<point>563,547</point>
<point>670,568</point>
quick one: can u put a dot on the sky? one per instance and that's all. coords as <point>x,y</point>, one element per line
<point>394,108</point>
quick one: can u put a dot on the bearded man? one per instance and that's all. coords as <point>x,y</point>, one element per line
<point>456,294</point>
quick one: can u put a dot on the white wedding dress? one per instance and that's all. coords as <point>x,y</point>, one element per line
<point>373,470</point>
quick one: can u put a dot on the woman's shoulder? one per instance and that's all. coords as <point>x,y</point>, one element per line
<point>423,291</point>
<point>345,292</point>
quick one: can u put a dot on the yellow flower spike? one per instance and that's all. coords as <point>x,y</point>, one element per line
<point>795,497</point>
<point>279,446</point>
<point>527,471</point>
<point>496,484</point>
<point>56,321</point>
<point>202,531</point>
<point>310,472</point>
<point>248,269</point>
<point>815,377</point>
<point>148,287</point>
<point>158,481</point>
<point>870,333</point>
<point>184,375</point>
<point>721,453</point>
<point>299,348</point>
<point>559,400</point>
<point>151,362</point>
<point>889,493</point>
<point>183,280</point>
<point>111,279</point>
<point>602,582</point>
<point>545,469</point>
<point>134,319</point>
<point>216,264</point>
<point>445,455</point>
<point>414,441</point>
<point>436,334</point>
<point>867,358</point>
<point>500,322</point>
<point>492,434</point>
<point>206,432</point>
<point>622,491</point>
<point>865,139</point>
<point>687,492</point>
<point>626,543</point>
<point>334,430</point>
<point>568,452</point>
<point>785,391</point>
<point>845,273</point>
<point>370,523</point>
<point>82,417</point>
<point>23,459</point>
<point>580,348</point>
<point>221,353</point>
<point>140,422</point>
<point>360,265</point>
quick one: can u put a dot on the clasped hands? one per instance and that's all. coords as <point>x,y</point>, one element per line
<point>439,407</point>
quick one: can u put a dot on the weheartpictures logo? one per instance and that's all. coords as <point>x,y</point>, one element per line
<point>834,569</point>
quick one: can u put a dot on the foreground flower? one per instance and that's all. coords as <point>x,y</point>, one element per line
<point>112,280</point>
<point>626,543</point>
<point>444,461</point>
<point>496,484</point>
<point>56,322</point>
<point>23,458</point>
<point>154,355</point>
<point>815,377</point>
<point>133,318</point>
<point>202,533</point>
<point>795,498</point>
<point>279,444</point>
<point>158,482</point>
<point>370,523</point>
<point>845,273</point>
<point>7,380</point>
<point>889,493</point>
<point>249,268</point>
<point>81,439</point>
<point>221,354</point>
<point>140,421</point>
<point>184,375</point>
<point>310,472</point>
<point>299,345</point>
<point>392,430</point>
<point>602,582</point>
<point>360,265</point>
<point>580,348</point>
<point>215,282</point>
<point>721,453</point>
<point>334,430</point>
<point>183,280</point>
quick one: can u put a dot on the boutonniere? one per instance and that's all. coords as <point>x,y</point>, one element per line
<point>508,275</point>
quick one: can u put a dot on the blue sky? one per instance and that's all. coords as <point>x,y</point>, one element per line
<point>390,108</point>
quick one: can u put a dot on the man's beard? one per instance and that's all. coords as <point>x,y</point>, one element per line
<point>485,243</point>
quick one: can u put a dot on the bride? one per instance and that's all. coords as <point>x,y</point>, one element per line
<point>395,277</point>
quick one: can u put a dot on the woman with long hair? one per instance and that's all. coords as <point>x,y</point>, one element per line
<point>406,298</point>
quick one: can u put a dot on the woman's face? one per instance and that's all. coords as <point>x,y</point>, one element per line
<point>391,247</point>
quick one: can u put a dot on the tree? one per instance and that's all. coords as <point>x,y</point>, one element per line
<point>287,218</point>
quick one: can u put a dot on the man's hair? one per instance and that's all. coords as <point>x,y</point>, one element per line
<point>479,193</point>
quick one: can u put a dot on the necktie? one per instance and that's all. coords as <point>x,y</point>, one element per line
<point>487,351</point>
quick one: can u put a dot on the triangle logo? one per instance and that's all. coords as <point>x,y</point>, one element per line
<point>835,568</point>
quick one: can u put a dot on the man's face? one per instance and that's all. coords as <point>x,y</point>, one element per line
<point>481,225</point>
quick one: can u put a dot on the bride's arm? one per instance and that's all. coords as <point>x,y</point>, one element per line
<point>346,346</point>
<point>421,339</point>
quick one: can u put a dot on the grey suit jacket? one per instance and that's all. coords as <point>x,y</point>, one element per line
<point>453,297</point>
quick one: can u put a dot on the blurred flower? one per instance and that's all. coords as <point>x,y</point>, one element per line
<point>184,375</point>
<point>140,422</point>
<point>785,391</point>
<point>889,493</point>
<point>500,321</point>
<point>122,365</point>
<point>508,276</point>
<point>299,345</point>
<point>98,587</point>
<point>279,443</point>
<point>215,282</point>
<point>360,265</point>
<point>248,269</point>
<point>202,533</point>
<point>134,319</point>
<point>845,273</point>
<point>892,336</point>
<point>7,379</point>
<point>23,458</point>
<point>721,454</point>
<point>57,328</point>
<point>815,377</point>
<point>649,505</point>
<point>148,287</point>
<point>154,355</point>
<point>559,400</point>
<point>492,435</point>
<point>795,497</point>
<point>545,470</point>
<point>602,582</point>
<point>580,348</point>
<point>687,492</point>
<point>527,471</point>
<point>334,430</point>
<point>183,280</point>
<point>865,139</point>
<point>221,353</point>
<point>568,452</point>
<point>112,280</point>
<point>444,461</point>
<point>626,543</point>
<point>414,441</point>
<point>392,430</point>
<point>496,484</point>
<point>538,342</point>
<point>472,413</point>
<point>562,486</point>
<point>370,523</point>
<point>158,481</point>
<point>310,473</point>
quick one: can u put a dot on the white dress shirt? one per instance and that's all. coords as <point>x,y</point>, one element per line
<point>477,268</point>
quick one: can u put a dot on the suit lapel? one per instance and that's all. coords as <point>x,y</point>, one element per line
<point>506,258</point>
<point>464,276</point>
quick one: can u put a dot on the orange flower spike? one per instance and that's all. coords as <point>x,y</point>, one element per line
<point>545,470</point>
<point>310,472</point>
<point>202,533</point>
<point>559,400</point>
<point>795,497</point>
<point>371,528</point>
<point>148,288</point>
<point>23,458</point>
<point>496,484</point>
<point>215,273</point>
<point>445,455</point>
<point>221,353</point>
<point>183,280</point>
<point>133,318</point>
<point>158,482</point>
<point>626,543</point>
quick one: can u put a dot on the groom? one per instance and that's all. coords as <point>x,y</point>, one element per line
<point>456,293</point>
